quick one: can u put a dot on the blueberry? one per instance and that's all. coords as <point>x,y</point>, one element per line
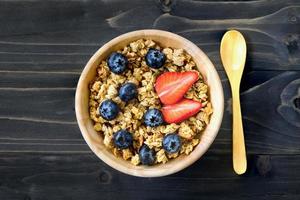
<point>171,143</point>
<point>155,58</point>
<point>153,117</point>
<point>109,109</point>
<point>117,63</point>
<point>123,139</point>
<point>147,155</point>
<point>128,91</point>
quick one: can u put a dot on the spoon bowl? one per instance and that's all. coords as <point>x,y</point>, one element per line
<point>233,53</point>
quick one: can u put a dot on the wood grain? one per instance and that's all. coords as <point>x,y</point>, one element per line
<point>39,37</point>
<point>66,34</point>
<point>40,80</point>
<point>83,176</point>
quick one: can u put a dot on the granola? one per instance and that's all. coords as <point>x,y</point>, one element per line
<point>106,84</point>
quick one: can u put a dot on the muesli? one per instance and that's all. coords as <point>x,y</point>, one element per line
<point>149,102</point>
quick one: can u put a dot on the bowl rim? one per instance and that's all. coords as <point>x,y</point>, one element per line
<point>155,172</point>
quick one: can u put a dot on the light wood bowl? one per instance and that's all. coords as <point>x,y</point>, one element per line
<point>95,140</point>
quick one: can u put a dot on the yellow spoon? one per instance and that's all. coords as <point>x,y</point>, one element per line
<point>233,54</point>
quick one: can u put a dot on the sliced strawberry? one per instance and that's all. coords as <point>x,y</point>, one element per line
<point>180,111</point>
<point>171,86</point>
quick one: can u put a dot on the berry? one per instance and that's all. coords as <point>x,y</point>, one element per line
<point>109,109</point>
<point>128,91</point>
<point>147,155</point>
<point>153,117</point>
<point>123,139</point>
<point>180,111</point>
<point>171,143</point>
<point>155,58</point>
<point>117,63</point>
<point>172,86</point>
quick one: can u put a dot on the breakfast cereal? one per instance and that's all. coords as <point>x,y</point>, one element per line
<point>106,86</point>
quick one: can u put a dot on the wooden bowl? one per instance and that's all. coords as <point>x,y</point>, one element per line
<point>95,141</point>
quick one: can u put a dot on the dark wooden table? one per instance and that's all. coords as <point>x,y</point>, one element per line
<point>44,45</point>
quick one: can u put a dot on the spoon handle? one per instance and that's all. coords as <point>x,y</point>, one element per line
<point>238,144</point>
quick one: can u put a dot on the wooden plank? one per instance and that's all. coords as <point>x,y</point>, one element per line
<point>223,9</point>
<point>32,136</point>
<point>50,105</point>
<point>271,119</point>
<point>73,176</point>
<point>63,36</point>
<point>21,129</point>
<point>32,79</point>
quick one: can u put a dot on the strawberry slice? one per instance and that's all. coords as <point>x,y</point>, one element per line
<point>180,111</point>
<point>171,86</point>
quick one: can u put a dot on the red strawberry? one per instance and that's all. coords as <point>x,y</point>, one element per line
<point>171,86</point>
<point>180,111</point>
